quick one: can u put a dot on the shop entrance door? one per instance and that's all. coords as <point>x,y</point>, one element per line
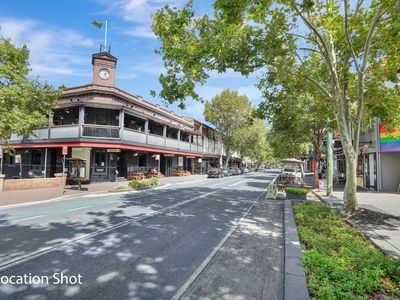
<point>99,165</point>
<point>168,166</point>
<point>121,164</point>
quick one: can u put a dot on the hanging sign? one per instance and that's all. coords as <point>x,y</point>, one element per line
<point>18,159</point>
<point>157,157</point>
<point>113,150</point>
<point>180,161</point>
<point>64,150</point>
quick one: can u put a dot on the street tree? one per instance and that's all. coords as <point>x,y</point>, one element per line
<point>228,112</point>
<point>356,42</point>
<point>299,118</point>
<point>251,141</point>
<point>25,104</point>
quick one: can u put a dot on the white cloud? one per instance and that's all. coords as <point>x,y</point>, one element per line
<point>252,92</point>
<point>193,109</point>
<point>154,67</point>
<point>141,31</point>
<point>53,50</point>
<point>137,13</point>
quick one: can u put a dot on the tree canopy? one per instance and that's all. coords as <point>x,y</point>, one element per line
<point>228,112</point>
<point>25,104</point>
<point>355,43</point>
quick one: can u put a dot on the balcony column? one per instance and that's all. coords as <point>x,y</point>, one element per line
<point>164,133</point>
<point>179,138</point>
<point>121,123</point>
<point>190,141</point>
<point>49,127</point>
<point>81,120</point>
<point>146,130</point>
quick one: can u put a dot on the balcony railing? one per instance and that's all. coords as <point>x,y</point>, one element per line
<point>172,143</point>
<point>156,140</point>
<point>64,131</point>
<point>100,131</point>
<point>132,135</point>
<point>129,135</point>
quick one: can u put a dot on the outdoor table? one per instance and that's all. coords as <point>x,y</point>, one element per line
<point>136,176</point>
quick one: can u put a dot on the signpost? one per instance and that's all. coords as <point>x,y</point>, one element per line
<point>1,159</point>
<point>18,160</point>
<point>157,157</point>
<point>64,153</point>
<point>201,166</point>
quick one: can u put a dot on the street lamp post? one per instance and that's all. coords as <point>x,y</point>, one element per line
<point>329,157</point>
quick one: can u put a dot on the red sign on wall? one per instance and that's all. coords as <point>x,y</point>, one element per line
<point>64,150</point>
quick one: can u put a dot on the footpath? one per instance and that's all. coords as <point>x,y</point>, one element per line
<point>378,217</point>
<point>33,195</point>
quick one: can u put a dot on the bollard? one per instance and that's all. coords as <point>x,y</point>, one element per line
<point>271,190</point>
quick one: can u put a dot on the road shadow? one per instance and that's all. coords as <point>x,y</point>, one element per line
<point>125,252</point>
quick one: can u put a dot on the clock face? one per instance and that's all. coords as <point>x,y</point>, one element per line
<point>104,74</point>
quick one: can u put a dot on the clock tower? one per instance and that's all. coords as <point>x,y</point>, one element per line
<point>104,68</point>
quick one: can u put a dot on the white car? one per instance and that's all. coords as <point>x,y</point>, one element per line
<point>291,171</point>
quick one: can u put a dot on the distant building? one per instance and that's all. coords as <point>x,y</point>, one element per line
<point>114,133</point>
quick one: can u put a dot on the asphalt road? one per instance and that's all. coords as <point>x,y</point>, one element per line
<point>143,245</point>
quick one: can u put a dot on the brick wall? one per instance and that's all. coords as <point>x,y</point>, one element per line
<point>31,183</point>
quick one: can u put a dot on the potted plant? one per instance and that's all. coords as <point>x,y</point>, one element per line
<point>296,193</point>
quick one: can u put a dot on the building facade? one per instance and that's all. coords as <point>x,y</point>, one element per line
<point>112,133</point>
<point>379,158</point>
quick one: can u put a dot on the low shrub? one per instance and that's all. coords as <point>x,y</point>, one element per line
<point>339,261</point>
<point>121,187</point>
<point>296,191</point>
<point>143,183</point>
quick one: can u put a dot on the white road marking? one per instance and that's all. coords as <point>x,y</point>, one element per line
<point>205,262</point>
<point>161,187</point>
<point>77,208</point>
<point>237,183</point>
<point>30,218</point>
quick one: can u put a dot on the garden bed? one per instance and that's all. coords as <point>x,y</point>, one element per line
<point>340,263</point>
<point>137,185</point>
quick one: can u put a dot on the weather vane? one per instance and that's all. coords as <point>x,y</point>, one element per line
<point>103,47</point>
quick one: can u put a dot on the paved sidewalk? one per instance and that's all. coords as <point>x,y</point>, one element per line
<point>379,217</point>
<point>25,196</point>
<point>250,264</point>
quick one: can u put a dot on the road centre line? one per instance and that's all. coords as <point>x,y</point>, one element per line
<point>205,262</point>
<point>237,182</point>
<point>77,208</point>
<point>38,253</point>
<point>34,217</point>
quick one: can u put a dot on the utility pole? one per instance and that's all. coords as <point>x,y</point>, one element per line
<point>329,157</point>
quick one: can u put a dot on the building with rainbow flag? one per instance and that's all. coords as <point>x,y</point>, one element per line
<point>379,158</point>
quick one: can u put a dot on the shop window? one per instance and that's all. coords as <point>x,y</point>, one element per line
<point>36,157</point>
<point>66,116</point>
<point>142,160</point>
<point>100,159</point>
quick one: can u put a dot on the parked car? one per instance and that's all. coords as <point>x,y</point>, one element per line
<point>292,171</point>
<point>233,171</point>
<point>245,170</point>
<point>226,172</point>
<point>214,173</point>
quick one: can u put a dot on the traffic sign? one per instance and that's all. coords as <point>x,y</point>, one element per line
<point>64,150</point>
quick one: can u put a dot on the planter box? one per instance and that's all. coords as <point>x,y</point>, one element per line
<point>295,197</point>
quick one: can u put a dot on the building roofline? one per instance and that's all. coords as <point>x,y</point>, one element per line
<point>72,91</point>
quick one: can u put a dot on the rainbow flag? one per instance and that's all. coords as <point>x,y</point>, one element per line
<point>389,140</point>
<point>97,24</point>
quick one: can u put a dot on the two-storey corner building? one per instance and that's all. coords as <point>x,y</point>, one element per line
<point>113,133</point>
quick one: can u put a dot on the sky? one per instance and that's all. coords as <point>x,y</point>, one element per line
<point>61,40</point>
